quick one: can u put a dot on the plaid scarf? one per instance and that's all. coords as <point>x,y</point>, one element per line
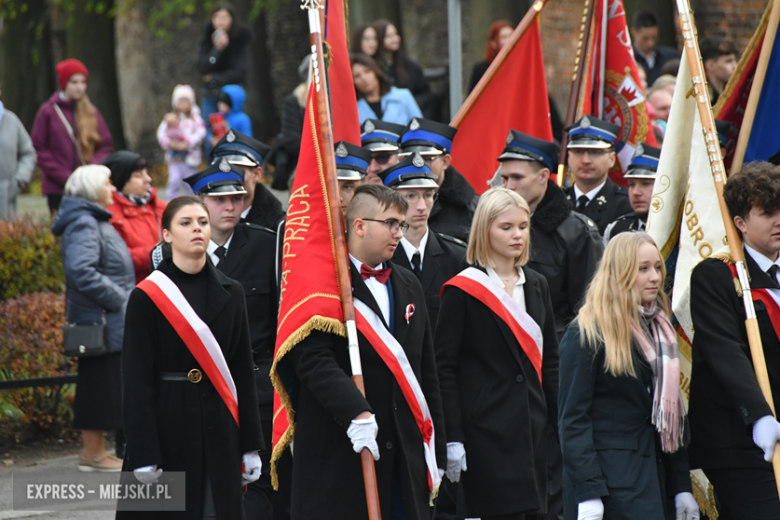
<point>658,341</point>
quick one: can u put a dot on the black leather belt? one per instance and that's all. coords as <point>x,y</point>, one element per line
<point>193,376</point>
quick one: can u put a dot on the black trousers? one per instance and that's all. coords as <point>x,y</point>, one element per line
<point>54,203</point>
<point>745,493</point>
<point>258,499</point>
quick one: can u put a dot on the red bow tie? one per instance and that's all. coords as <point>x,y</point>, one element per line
<point>381,275</point>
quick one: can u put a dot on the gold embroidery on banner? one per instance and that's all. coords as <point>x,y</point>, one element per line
<point>309,297</point>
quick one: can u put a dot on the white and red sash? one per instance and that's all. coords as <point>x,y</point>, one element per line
<point>195,333</point>
<point>478,284</point>
<point>392,353</point>
<point>769,297</point>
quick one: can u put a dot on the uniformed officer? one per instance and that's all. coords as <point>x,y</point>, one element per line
<point>591,152</point>
<point>381,139</point>
<point>641,179</point>
<point>566,245</point>
<point>245,252</point>
<point>454,209</point>
<point>433,257</point>
<point>351,164</point>
<point>260,205</point>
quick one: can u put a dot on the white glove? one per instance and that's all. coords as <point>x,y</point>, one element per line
<point>456,460</point>
<point>362,433</point>
<point>766,434</point>
<point>592,509</point>
<point>686,507</point>
<point>252,467</point>
<point>148,474</point>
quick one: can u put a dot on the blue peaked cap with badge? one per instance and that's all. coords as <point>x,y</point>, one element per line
<point>427,137</point>
<point>380,136</point>
<point>411,172</point>
<point>240,149</point>
<point>590,132</point>
<point>219,179</point>
<point>351,161</point>
<point>523,147</point>
<point>644,164</point>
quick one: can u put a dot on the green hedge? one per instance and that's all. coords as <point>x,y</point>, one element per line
<point>30,259</point>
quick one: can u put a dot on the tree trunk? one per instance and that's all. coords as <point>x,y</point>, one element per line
<point>288,44</point>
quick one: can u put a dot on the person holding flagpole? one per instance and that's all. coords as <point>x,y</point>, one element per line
<point>499,380</point>
<point>622,419</point>
<point>189,397</point>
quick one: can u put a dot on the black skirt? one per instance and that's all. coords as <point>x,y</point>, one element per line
<point>98,403</point>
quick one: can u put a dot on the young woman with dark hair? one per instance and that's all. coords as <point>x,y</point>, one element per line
<point>377,99</point>
<point>364,40</point>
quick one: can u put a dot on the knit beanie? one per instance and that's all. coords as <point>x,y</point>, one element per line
<point>225,98</point>
<point>122,165</point>
<point>67,69</point>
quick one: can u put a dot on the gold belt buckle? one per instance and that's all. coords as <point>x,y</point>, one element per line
<point>195,376</point>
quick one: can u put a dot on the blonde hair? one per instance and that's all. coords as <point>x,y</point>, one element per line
<point>85,117</point>
<point>491,204</point>
<point>612,301</point>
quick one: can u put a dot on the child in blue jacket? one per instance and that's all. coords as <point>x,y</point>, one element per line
<point>230,104</point>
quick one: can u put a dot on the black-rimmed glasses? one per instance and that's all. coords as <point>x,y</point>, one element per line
<point>393,224</point>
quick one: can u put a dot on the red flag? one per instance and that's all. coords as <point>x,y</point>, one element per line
<point>343,100</point>
<point>613,90</point>
<point>515,99</point>
<point>310,298</point>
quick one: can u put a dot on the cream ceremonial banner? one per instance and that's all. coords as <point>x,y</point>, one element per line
<point>685,217</point>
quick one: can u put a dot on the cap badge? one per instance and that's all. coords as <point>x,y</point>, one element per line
<point>418,161</point>
<point>415,125</point>
<point>585,123</point>
<point>224,165</point>
<point>509,138</point>
<point>640,150</point>
<point>230,136</point>
<point>341,150</point>
<point>369,126</point>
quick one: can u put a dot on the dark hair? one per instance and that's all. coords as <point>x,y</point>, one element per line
<point>495,29</point>
<point>227,6</point>
<point>176,204</point>
<point>671,68</point>
<point>395,60</point>
<point>357,38</point>
<point>384,196</point>
<point>757,184</point>
<point>643,19</point>
<point>368,61</point>
<point>715,47</point>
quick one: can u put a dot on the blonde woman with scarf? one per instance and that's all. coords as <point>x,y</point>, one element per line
<point>621,415</point>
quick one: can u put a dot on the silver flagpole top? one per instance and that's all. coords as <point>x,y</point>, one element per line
<point>311,5</point>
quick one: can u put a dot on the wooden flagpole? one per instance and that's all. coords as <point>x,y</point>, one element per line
<point>320,82</point>
<point>756,87</point>
<point>576,83</point>
<point>518,33</point>
<point>699,90</point>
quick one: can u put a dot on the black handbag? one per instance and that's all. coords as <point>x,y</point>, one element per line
<point>88,339</point>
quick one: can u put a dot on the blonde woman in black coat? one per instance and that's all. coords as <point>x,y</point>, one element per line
<point>498,382</point>
<point>622,420</point>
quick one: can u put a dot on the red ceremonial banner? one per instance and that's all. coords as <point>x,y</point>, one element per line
<point>343,100</point>
<point>515,99</point>
<point>613,90</point>
<point>310,298</point>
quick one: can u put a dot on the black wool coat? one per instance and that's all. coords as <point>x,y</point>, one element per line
<point>494,402</point>
<point>565,248</point>
<point>327,480</point>
<point>610,447</point>
<point>609,203</point>
<point>628,222</point>
<point>183,426</point>
<point>453,211</point>
<point>266,210</point>
<point>725,398</point>
<point>228,66</point>
<point>444,257</point>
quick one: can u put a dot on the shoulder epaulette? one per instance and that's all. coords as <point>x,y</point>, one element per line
<point>621,189</point>
<point>585,219</point>
<point>729,261</point>
<point>454,240</point>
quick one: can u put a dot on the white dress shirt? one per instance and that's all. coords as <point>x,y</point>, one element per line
<point>764,264</point>
<point>378,290</point>
<point>591,194</point>
<point>411,250</point>
<point>246,212</point>
<point>518,292</point>
<point>213,247</point>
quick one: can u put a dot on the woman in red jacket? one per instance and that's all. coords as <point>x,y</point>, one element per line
<point>137,212</point>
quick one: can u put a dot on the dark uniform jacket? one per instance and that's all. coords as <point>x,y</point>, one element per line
<point>725,398</point>
<point>327,480</point>
<point>609,203</point>
<point>494,402</point>
<point>266,209</point>
<point>662,55</point>
<point>628,222</point>
<point>565,249</point>
<point>454,209</point>
<point>444,257</point>
<point>610,447</point>
<point>182,426</point>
